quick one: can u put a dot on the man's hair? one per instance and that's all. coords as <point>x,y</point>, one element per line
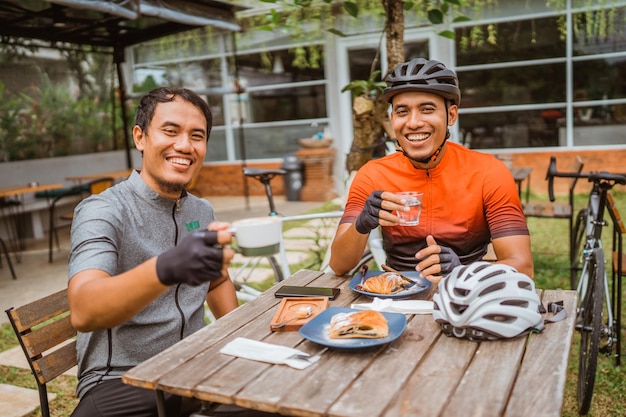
<point>145,109</point>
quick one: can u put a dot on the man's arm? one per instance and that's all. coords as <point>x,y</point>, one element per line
<point>515,251</point>
<point>511,250</point>
<point>347,248</point>
<point>100,301</point>
<point>221,297</point>
<point>349,242</point>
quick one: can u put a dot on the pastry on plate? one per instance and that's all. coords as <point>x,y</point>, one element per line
<point>386,283</point>
<point>367,324</point>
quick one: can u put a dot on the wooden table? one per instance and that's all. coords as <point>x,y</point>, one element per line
<point>123,173</point>
<point>422,373</point>
<point>12,212</point>
<point>520,174</point>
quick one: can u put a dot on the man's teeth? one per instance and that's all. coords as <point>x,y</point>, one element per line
<point>417,138</point>
<point>180,161</point>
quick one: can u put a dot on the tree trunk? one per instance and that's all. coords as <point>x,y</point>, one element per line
<point>369,114</point>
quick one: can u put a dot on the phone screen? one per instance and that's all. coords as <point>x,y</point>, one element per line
<point>295,291</point>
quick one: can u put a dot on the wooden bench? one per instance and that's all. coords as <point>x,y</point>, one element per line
<point>47,338</point>
<point>559,210</point>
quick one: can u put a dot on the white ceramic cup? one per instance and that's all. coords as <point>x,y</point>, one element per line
<point>414,202</point>
<point>258,236</point>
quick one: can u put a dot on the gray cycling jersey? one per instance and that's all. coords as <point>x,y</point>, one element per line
<point>115,231</point>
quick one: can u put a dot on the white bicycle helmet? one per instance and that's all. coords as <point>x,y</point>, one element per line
<point>484,301</point>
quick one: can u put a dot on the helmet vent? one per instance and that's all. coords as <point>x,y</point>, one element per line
<point>458,308</point>
<point>515,303</point>
<point>460,292</point>
<point>501,318</point>
<point>525,285</point>
<point>495,287</point>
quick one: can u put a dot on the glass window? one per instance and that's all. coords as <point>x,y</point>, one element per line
<point>599,31</point>
<point>216,148</point>
<point>282,66</point>
<point>514,41</point>
<point>600,79</point>
<point>274,142</point>
<point>511,129</point>
<point>513,85</point>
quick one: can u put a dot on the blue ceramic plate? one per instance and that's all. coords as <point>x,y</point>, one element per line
<point>421,284</point>
<point>316,330</point>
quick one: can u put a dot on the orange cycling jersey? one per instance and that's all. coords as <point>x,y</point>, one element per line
<point>469,199</point>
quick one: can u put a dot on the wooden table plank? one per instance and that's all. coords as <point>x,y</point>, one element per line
<point>492,370</point>
<point>394,367</point>
<point>432,384</point>
<point>540,386</point>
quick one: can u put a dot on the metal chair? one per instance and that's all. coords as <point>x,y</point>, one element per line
<point>6,254</point>
<point>46,336</point>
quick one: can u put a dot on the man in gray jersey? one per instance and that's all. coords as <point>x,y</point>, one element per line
<point>145,255</point>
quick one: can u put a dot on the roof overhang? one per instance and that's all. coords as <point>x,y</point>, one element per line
<point>109,24</point>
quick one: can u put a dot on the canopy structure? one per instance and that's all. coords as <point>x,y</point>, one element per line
<point>109,26</point>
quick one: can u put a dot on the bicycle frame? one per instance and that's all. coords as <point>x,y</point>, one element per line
<point>593,280</point>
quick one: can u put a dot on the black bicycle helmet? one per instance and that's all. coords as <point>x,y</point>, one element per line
<point>428,76</point>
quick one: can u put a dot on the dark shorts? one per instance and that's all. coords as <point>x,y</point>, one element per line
<point>114,398</point>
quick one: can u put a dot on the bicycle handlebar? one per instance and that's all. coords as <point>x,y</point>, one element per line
<point>594,176</point>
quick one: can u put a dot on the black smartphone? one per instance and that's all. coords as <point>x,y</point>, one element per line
<point>296,291</point>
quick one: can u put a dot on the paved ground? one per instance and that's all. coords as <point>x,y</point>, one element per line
<point>36,277</point>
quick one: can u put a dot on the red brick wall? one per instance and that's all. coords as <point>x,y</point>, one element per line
<point>613,160</point>
<point>227,179</point>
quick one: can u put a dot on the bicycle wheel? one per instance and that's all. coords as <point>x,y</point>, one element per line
<point>590,321</point>
<point>577,242</point>
<point>278,272</point>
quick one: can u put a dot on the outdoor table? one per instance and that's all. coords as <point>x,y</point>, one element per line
<point>521,174</point>
<point>12,211</point>
<point>123,174</point>
<point>422,373</point>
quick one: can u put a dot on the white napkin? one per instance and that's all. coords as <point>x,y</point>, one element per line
<point>267,352</point>
<point>397,306</point>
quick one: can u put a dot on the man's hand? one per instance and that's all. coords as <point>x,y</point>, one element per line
<point>196,260</point>
<point>370,215</point>
<point>436,261</point>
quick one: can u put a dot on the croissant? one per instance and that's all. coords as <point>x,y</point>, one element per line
<point>387,283</point>
<point>366,324</point>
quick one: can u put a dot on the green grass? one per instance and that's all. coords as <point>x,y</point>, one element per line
<point>549,239</point>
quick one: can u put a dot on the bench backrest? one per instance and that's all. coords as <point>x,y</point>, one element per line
<point>47,337</point>
<point>614,212</point>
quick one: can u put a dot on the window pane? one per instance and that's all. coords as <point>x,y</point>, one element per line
<point>298,102</point>
<point>518,129</point>
<point>274,142</point>
<point>514,41</point>
<point>599,31</point>
<point>216,148</point>
<point>600,79</point>
<point>516,85</point>
<point>283,66</point>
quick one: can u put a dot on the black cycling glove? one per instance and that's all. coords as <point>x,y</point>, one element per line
<point>448,260</point>
<point>369,217</point>
<point>194,261</point>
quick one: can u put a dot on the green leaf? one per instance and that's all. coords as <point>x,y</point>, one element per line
<point>337,32</point>
<point>447,34</point>
<point>435,16</point>
<point>461,19</point>
<point>407,5</point>
<point>455,2</point>
<point>351,8</point>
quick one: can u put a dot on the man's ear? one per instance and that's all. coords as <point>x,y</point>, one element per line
<point>139,138</point>
<point>453,114</point>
